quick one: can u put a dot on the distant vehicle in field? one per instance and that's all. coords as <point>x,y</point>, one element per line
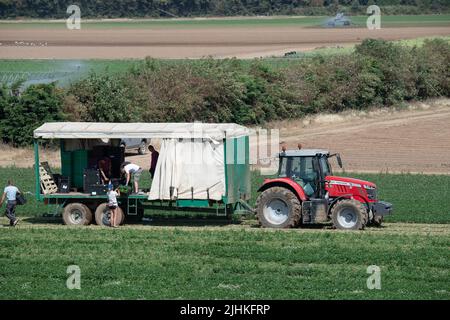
<point>135,143</point>
<point>340,20</point>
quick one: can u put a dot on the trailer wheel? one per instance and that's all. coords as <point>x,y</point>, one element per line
<point>77,214</point>
<point>103,215</point>
<point>349,215</point>
<point>278,207</point>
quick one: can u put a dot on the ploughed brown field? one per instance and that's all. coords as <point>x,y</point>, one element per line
<point>177,43</point>
<point>413,140</point>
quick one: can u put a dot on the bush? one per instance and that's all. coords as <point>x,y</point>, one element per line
<point>433,69</point>
<point>22,113</point>
<point>378,73</point>
<point>208,90</point>
<point>102,98</point>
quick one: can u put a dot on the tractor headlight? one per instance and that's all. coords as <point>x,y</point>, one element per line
<point>371,192</point>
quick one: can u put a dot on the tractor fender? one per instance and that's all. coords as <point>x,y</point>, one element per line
<point>285,183</point>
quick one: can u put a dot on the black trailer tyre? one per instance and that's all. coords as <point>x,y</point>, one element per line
<point>349,215</point>
<point>103,215</point>
<point>77,214</point>
<point>278,207</point>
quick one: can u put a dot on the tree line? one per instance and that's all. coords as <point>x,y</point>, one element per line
<point>188,8</point>
<point>377,74</point>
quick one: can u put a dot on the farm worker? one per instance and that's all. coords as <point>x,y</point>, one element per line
<point>105,170</point>
<point>10,194</point>
<point>112,205</point>
<point>136,171</point>
<point>154,160</point>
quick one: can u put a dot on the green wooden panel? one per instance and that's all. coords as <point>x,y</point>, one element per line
<point>238,169</point>
<point>80,161</point>
<point>66,164</point>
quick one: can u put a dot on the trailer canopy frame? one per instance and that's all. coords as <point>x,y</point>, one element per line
<point>99,130</point>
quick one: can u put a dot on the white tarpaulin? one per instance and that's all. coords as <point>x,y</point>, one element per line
<point>94,130</point>
<point>189,169</point>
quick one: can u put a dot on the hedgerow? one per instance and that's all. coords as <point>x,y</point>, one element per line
<point>377,74</point>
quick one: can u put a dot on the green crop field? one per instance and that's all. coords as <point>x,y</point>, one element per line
<point>217,262</point>
<point>169,256</point>
<point>283,21</point>
<point>62,71</point>
<point>416,198</point>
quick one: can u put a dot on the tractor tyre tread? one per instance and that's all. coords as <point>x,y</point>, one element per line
<point>294,203</point>
<point>359,208</point>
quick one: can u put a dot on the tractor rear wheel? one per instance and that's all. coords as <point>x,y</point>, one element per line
<point>349,215</point>
<point>103,215</point>
<point>278,207</point>
<point>77,214</point>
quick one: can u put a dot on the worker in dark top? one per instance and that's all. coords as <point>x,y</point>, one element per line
<point>154,160</point>
<point>104,166</point>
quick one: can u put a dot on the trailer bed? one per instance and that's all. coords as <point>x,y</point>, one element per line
<point>80,195</point>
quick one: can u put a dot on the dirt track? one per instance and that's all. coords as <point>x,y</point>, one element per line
<point>188,43</point>
<point>403,141</point>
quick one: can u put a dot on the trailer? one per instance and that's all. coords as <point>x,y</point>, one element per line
<point>201,167</point>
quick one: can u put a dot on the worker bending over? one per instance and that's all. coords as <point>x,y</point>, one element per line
<point>134,170</point>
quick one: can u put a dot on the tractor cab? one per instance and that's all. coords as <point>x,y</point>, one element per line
<point>307,192</point>
<point>308,168</point>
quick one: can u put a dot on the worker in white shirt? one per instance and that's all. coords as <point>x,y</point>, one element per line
<point>10,194</point>
<point>134,170</point>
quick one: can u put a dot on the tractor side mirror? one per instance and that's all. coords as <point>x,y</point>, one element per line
<point>339,160</point>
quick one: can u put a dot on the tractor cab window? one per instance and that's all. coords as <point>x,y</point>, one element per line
<point>325,165</point>
<point>302,170</point>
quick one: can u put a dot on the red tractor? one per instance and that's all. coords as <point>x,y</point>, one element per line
<point>306,192</point>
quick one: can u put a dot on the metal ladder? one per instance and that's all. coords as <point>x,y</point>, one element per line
<point>132,207</point>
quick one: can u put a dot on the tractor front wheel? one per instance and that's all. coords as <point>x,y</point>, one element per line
<point>278,207</point>
<point>349,215</point>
